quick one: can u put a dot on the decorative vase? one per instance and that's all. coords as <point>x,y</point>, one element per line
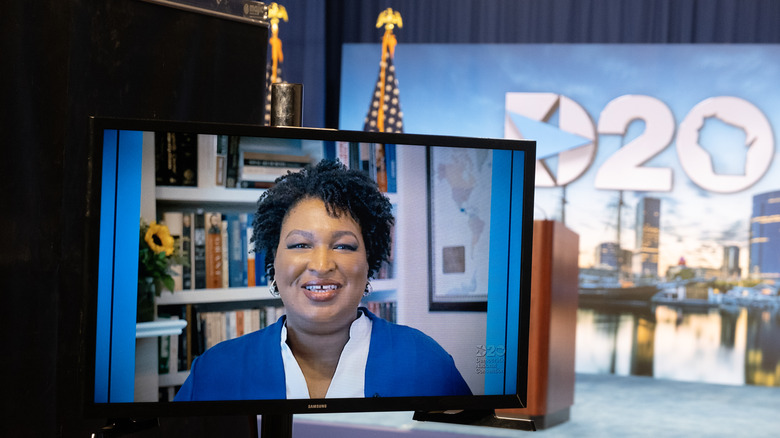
<point>147,308</point>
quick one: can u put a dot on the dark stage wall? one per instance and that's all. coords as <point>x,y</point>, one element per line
<point>62,62</point>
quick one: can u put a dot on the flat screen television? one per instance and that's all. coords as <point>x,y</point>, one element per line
<point>458,269</point>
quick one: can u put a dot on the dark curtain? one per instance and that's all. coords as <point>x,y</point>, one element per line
<point>62,61</point>
<point>566,21</point>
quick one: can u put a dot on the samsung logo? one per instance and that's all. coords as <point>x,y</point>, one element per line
<point>321,406</point>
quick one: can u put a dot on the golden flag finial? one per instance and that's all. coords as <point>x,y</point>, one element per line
<point>389,19</point>
<point>276,12</point>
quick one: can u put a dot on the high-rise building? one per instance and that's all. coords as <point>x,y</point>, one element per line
<point>648,226</point>
<point>730,267</point>
<point>765,236</point>
<point>607,255</point>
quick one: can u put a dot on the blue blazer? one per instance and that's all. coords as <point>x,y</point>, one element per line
<point>402,362</point>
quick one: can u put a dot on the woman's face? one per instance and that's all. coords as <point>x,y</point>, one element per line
<point>321,268</point>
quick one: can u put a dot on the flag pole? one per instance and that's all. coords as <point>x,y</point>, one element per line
<point>389,19</point>
<point>276,12</point>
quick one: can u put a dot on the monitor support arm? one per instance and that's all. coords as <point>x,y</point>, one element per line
<point>475,417</point>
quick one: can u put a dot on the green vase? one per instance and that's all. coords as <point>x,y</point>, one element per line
<point>146,300</point>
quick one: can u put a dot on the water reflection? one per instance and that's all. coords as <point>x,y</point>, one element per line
<point>726,345</point>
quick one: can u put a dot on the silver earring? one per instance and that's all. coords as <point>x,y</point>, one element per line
<point>273,288</point>
<point>368,290</point>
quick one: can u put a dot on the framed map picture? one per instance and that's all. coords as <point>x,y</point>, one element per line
<point>459,185</point>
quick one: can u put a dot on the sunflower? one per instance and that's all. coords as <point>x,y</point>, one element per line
<point>159,239</point>
<point>157,253</point>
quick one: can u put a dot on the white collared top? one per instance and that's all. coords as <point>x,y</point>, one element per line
<point>350,376</point>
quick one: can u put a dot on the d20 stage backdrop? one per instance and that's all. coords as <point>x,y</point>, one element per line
<point>661,157</point>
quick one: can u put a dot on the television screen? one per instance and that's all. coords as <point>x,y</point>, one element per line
<point>238,269</point>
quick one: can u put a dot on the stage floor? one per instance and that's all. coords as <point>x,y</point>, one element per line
<point>605,406</point>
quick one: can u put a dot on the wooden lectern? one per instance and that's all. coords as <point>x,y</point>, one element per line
<point>553,323</point>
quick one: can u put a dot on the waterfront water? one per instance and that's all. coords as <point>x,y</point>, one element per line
<point>725,345</point>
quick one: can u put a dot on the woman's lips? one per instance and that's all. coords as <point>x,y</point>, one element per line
<point>321,292</point>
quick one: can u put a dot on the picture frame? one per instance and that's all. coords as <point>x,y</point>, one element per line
<point>459,184</point>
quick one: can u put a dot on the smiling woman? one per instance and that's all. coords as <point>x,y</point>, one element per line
<point>324,232</point>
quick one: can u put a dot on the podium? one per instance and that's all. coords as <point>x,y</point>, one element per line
<point>553,324</point>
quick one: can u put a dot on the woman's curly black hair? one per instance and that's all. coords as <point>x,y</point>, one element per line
<point>343,191</point>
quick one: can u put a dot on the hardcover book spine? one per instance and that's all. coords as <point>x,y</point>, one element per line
<point>187,159</point>
<point>233,156</point>
<point>174,220</point>
<point>251,278</point>
<point>176,159</point>
<point>381,167</point>
<point>221,161</point>
<point>199,250</point>
<point>186,251</point>
<point>392,168</point>
<point>225,254</point>
<point>214,250</point>
<point>236,261</point>
<point>256,184</point>
<point>243,224</point>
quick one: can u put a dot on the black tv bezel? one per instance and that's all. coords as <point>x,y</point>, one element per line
<point>295,406</point>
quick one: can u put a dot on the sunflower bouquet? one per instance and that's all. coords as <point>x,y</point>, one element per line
<point>158,252</point>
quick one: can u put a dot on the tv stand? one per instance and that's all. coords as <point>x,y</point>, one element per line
<point>474,417</point>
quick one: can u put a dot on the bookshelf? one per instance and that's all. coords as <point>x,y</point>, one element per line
<point>191,306</point>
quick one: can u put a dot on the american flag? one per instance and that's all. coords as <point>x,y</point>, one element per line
<point>388,117</point>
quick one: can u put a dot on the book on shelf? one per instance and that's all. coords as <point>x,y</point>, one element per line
<point>174,220</point>
<point>232,161</point>
<point>380,166</point>
<point>173,348</point>
<point>221,161</point>
<point>207,160</point>
<point>176,159</point>
<point>186,250</point>
<point>267,167</point>
<point>168,352</point>
<point>237,249</point>
<point>251,259</point>
<point>225,254</point>
<point>391,168</point>
<point>199,250</point>
<point>266,159</point>
<point>256,184</point>
<point>214,250</point>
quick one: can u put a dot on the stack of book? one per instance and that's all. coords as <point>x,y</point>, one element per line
<point>176,159</point>
<point>207,328</point>
<point>386,310</point>
<point>218,247</point>
<point>260,169</point>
